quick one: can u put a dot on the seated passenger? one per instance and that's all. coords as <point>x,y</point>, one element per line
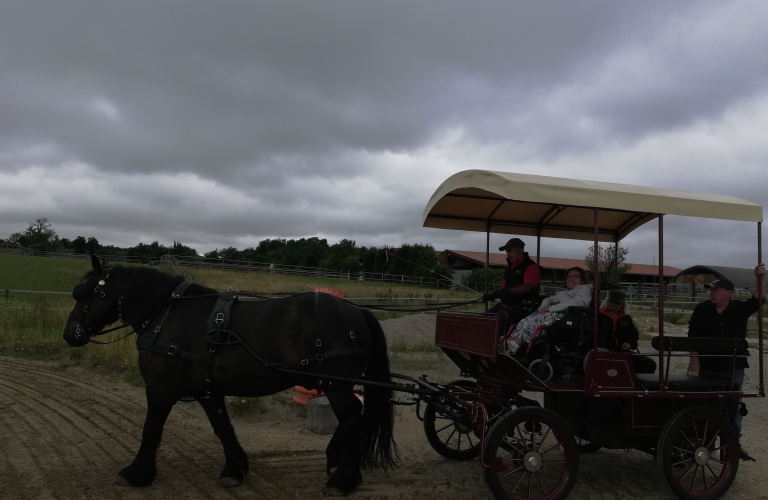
<point>577,293</point>
<point>624,330</point>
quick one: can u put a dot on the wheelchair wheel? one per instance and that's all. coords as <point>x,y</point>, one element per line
<point>543,371</point>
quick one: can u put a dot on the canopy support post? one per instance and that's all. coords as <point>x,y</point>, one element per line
<point>487,257</point>
<point>538,246</point>
<point>596,284</point>
<point>760,295</point>
<point>661,304</point>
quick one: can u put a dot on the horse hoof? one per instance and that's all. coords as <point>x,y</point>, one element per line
<point>331,491</point>
<point>332,471</point>
<point>121,481</point>
<point>230,482</point>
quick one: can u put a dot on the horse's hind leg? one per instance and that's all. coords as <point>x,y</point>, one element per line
<point>343,451</point>
<point>236,467</point>
<point>143,470</point>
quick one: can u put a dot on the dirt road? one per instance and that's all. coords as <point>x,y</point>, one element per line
<point>65,433</point>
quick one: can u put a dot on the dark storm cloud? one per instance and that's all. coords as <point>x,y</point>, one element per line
<point>222,123</point>
<point>234,86</point>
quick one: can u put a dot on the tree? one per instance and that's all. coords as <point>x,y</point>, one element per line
<point>344,256</point>
<point>610,261</point>
<point>92,245</point>
<point>39,235</point>
<point>79,245</point>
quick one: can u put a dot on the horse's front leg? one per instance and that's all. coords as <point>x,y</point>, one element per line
<point>236,466</point>
<point>143,469</point>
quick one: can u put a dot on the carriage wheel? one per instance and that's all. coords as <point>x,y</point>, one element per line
<point>698,454</point>
<point>532,455</point>
<point>450,438</point>
<point>543,372</point>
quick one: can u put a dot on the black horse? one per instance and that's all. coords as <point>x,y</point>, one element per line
<point>267,346</point>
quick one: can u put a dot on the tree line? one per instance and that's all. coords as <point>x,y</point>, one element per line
<point>417,260</point>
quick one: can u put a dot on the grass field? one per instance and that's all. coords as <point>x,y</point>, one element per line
<point>31,324</point>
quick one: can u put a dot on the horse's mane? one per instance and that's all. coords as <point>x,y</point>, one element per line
<point>146,290</point>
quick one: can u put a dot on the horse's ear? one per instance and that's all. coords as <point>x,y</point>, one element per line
<point>96,264</point>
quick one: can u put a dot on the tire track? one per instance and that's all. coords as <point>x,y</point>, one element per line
<point>69,407</point>
<point>100,435</point>
<point>169,454</point>
<point>18,453</point>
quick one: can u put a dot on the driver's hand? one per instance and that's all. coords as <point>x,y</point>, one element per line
<point>625,346</point>
<point>544,310</point>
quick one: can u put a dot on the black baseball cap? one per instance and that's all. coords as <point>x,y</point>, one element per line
<point>616,296</point>
<point>721,283</point>
<point>513,243</point>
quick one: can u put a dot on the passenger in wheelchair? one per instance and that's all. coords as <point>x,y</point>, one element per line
<point>625,334</point>
<point>578,292</point>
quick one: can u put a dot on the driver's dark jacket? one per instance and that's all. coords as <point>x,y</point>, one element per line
<point>515,276</point>
<point>731,323</point>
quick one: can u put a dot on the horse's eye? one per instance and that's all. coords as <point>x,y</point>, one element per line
<point>81,292</point>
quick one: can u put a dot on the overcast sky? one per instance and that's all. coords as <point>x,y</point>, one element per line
<point>224,123</point>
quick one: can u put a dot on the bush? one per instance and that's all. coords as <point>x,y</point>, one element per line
<point>677,318</point>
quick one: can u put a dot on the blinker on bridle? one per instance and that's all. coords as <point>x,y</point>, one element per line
<point>98,291</point>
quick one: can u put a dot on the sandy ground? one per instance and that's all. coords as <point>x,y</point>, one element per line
<point>65,433</point>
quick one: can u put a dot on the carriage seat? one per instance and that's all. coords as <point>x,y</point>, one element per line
<point>702,345</point>
<point>684,383</point>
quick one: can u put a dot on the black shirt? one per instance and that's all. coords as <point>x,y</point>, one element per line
<point>731,323</point>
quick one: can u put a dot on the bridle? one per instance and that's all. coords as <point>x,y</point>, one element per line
<point>80,331</point>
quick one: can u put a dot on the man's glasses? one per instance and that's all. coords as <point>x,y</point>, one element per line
<point>573,277</point>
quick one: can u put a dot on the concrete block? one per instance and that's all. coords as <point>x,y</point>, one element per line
<point>320,417</point>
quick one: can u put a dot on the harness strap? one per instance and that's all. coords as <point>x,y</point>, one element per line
<point>346,321</point>
<point>177,292</point>
<point>218,334</point>
<point>146,342</point>
<point>319,342</point>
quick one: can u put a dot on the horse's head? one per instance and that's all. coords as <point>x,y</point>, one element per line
<point>98,305</point>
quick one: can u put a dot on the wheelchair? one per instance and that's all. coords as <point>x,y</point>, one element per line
<point>561,350</point>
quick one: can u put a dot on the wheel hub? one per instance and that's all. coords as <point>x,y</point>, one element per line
<point>462,427</point>
<point>532,461</point>
<point>701,456</point>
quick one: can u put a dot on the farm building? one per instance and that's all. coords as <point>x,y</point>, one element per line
<point>554,268</point>
<point>741,278</point>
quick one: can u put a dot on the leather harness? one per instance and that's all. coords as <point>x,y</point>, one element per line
<point>219,335</point>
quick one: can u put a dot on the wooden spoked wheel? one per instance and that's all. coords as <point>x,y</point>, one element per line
<point>532,455</point>
<point>698,455</point>
<point>452,439</point>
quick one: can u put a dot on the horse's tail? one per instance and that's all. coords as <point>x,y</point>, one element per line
<point>377,445</point>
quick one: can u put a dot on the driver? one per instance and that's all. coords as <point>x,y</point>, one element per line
<point>724,318</point>
<point>520,282</point>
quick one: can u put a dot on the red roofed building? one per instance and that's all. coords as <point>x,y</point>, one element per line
<point>554,268</point>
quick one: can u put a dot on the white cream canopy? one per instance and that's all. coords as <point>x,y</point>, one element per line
<point>553,207</point>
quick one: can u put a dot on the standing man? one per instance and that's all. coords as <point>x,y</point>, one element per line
<point>520,282</point>
<point>721,317</point>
